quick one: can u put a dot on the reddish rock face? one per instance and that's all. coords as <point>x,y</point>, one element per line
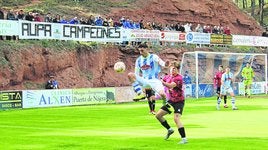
<point>31,68</point>
<point>81,68</point>
<point>204,12</point>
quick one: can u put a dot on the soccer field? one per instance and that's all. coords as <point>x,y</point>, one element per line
<point>128,126</point>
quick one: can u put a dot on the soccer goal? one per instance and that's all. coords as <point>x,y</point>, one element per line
<point>201,67</point>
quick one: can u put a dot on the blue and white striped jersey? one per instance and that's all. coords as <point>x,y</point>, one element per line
<point>149,66</point>
<point>227,79</point>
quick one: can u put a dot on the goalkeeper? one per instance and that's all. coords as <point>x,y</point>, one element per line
<point>248,75</point>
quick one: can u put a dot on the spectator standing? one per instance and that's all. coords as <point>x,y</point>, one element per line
<point>37,17</point>
<point>187,80</point>
<point>2,16</point>
<point>99,21</point>
<point>64,20</point>
<point>227,30</point>
<point>48,18</point>
<point>111,22</point>
<point>20,15</point>
<point>11,16</point>
<point>199,28</point>
<point>91,20</point>
<point>29,16</point>
<point>56,19</point>
<point>105,23</point>
<point>52,83</point>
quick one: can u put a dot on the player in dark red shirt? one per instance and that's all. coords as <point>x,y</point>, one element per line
<point>217,84</point>
<point>175,98</point>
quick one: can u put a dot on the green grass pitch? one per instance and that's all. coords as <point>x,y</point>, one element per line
<point>128,126</point>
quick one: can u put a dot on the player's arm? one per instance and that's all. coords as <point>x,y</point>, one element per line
<point>222,79</point>
<point>161,62</point>
<point>215,80</point>
<point>243,73</point>
<point>137,68</point>
<point>175,83</point>
<point>252,73</point>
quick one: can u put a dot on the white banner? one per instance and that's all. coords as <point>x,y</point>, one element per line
<point>42,30</point>
<point>136,35</point>
<point>170,36</point>
<point>250,40</point>
<point>197,38</point>
<point>46,98</point>
<point>9,27</point>
<point>256,88</point>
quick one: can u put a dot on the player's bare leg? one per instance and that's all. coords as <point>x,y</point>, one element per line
<point>233,101</point>
<point>160,117</point>
<point>136,86</point>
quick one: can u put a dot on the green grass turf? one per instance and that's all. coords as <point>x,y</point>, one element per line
<point>128,126</point>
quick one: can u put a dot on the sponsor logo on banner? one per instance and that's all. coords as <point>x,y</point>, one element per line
<point>47,98</point>
<point>220,39</point>
<point>10,99</point>
<point>145,34</point>
<point>93,96</point>
<point>205,90</point>
<point>42,30</point>
<point>172,36</point>
<point>249,40</point>
<point>187,90</point>
<point>9,27</point>
<point>197,38</point>
<point>256,88</point>
<point>124,94</point>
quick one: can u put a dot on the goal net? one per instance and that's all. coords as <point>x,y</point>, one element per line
<point>199,68</point>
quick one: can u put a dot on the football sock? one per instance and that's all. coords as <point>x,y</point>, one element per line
<point>137,87</point>
<point>182,132</point>
<point>153,105</point>
<point>225,99</point>
<point>219,101</point>
<point>165,124</point>
<point>248,92</point>
<point>233,101</point>
<point>150,105</point>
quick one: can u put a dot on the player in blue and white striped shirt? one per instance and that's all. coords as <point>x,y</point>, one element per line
<point>226,87</point>
<point>147,69</point>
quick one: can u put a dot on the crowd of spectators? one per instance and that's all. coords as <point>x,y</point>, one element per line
<point>124,22</point>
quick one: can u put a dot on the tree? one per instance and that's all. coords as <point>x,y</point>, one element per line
<point>252,8</point>
<point>245,4</point>
<point>261,4</point>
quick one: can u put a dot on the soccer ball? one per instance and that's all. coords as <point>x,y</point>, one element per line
<point>119,67</point>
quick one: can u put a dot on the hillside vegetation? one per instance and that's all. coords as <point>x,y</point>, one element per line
<point>85,8</point>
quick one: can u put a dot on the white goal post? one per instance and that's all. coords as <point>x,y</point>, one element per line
<point>201,66</point>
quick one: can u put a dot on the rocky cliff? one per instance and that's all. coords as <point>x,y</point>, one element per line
<point>29,67</point>
<point>204,12</point>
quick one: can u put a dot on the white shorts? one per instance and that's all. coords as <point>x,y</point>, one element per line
<point>225,90</point>
<point>155,84</point>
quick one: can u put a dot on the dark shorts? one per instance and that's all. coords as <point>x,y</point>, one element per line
<point>149,93</point>
<point>218,91</point>
<point>177,106</point>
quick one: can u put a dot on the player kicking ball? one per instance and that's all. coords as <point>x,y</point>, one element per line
<point>226,87</point>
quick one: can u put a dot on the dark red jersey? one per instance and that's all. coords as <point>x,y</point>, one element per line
<point>176,93</point>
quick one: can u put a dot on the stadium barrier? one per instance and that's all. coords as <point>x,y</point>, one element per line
<point>43,30</point>
<point>93,96</point>
<point>64,97</point>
